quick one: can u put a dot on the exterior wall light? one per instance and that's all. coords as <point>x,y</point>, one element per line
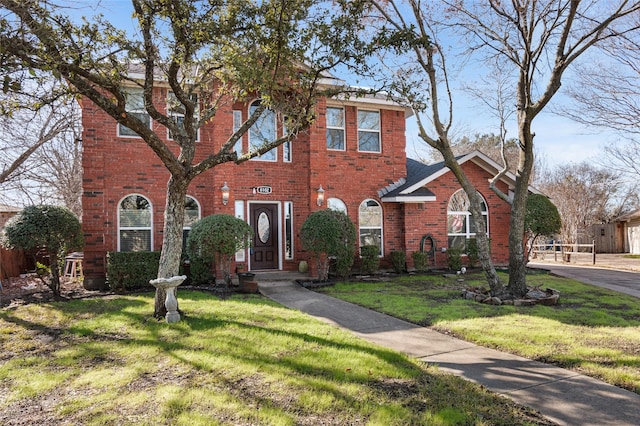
<point>225,193</point>
<point>320,192</point>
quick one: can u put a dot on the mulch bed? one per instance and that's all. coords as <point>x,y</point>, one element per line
<point>30,289</point>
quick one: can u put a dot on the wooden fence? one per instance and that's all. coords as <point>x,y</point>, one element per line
<point>12,263</point>
<point>563,252</point>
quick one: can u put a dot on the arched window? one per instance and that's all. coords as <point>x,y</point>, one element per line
<point>135,224</point>
<point>191,215</point>
<point>337,204</point>
<point>460,226</point>
<point>370,222</point>
<point>262,132</point>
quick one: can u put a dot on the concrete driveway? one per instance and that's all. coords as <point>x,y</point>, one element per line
<point>624,281</point>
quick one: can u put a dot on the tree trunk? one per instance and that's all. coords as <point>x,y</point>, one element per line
<point>517,263</point>
<point>172,237</point>
<point>55,274</point>
<point>484,251</point>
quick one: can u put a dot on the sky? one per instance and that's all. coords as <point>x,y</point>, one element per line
<point>558,140</point>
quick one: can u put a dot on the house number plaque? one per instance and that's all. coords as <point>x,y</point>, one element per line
<point>263,190</point>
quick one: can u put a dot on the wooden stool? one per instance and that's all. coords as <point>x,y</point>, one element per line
<point>73,265</point>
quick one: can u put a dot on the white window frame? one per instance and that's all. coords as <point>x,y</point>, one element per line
<point>136,228</point>
<point>239,213</point>
<point>237,123</point>
<point>337,204</point>
<point>176,114</point>
<point>286,147</point>
<point>374,131</point>
<point>334,127</point>
<point>275,134</point>
<point>367,227</point>
<point>128,93</point>
<point>466,215</point>
<point>289,230</point>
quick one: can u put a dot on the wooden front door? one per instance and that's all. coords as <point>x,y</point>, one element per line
<point>264,220</point>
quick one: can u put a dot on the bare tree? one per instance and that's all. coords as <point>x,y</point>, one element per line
<point>42,152</point>
<point>56,175</point>
<point>538,41</point>
<point>534,41</point>
<point>23,133</point>
<point>420,74</point>
<point>499,150</point>
<point>585,195</point>
<point>607,91</point>
<point>209,53</point>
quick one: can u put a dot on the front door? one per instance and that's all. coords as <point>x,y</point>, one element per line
<point>264,220</point>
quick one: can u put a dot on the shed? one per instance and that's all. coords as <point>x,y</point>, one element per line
<point>631,231</point>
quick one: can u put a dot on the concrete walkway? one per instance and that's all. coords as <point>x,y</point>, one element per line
<point>563,396</point>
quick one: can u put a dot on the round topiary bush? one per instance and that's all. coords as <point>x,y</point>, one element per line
<point>54,229</point>
<point>217,238</point>
<point>330,234</point>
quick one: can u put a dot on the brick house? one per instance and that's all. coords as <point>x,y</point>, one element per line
<point>352,158</point>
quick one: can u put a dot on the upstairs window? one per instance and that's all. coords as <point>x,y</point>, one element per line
<point>369,131</point>
<point>263,132</point>
<point>135,106</point>
<point>335,128</point>
<point>176,112</point>
<point>134,224</point>
<point>460,225</point>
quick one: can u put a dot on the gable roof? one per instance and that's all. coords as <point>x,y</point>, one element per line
<point>4,208</point>
<point>629,216</point>
<point>419,175</point>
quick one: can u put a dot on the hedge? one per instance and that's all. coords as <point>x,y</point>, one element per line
<point>132,269</point>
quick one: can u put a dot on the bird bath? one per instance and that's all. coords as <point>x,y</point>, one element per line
<point>171,303</point>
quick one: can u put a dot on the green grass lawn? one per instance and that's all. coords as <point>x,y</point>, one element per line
<point>245,361</point>
<point>592,330</point>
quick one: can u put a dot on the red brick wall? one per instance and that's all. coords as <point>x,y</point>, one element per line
<point>431,217</point>
<point>115,167</point>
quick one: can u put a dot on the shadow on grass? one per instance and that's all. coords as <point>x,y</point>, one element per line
<point>428,299</point>
<point>248,346</point>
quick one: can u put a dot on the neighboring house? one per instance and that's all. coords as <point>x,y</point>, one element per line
<point>352,159</point>
<point>630,223</point>
<point>6,213</point>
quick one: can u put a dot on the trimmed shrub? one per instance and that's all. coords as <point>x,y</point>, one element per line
<point>217,238</point>
<point>454,259</point>
<point>399,261</point>
<point>130,270</point>
<point>370,259</point>
<point>329,234</point>
<point>420,261</point>
<point>54,229</point>
<point>472,252</point>
<point>200,271</point>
